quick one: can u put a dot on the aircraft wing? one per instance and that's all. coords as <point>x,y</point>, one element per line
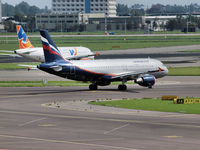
<point>11,55</point>
<point>8,53</point>
<point>126,75</point>
<point>132,75</point>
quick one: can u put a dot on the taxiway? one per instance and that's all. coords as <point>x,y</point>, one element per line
<point>26,124</point>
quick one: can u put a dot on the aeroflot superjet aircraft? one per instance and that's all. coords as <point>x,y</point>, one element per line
<point>100,72</point>
<point>27,50</point>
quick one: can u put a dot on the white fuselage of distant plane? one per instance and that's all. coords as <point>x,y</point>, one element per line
<point>37,53</point>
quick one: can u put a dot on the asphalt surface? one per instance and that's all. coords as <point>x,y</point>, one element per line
<point>26,124</point>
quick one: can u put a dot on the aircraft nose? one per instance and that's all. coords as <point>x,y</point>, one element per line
<point>15,52</point>
<point>166,71</point>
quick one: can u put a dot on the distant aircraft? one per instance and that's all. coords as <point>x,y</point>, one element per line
<point>27,50</point>
<point>100,72</point>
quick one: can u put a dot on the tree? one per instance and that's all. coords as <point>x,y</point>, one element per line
<point>155,25</point>
<point>156,8</point>
<point>22,8</point>
<point>171,24</point>
<point>8,10</point>
<point>137,10</point>
<point>122,10</point>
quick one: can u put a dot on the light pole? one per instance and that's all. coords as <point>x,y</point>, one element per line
<point>106,26</point>
<point>125,26</point>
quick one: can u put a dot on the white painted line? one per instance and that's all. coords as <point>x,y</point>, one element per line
<point>115,129</point>
<point>21,125</point>
<point>103,119</point>
<point>68,142</point>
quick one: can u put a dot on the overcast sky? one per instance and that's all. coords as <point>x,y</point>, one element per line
<point>42,3</point>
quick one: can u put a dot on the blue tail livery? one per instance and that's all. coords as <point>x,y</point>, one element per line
<point>51,52</point>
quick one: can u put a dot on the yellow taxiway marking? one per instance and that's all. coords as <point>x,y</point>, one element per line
<point>102,119</point>
<point>173,136</point>
<point>67,142</point>
<point>47,125</point>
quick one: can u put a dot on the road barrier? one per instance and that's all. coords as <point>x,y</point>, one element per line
<point>169,97</point>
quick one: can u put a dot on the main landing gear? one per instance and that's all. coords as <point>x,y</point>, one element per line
<point>93,87</point>
<point>122,87</point>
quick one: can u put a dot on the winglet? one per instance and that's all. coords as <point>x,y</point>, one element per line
<point>51,52</point>
<point>24,42</point>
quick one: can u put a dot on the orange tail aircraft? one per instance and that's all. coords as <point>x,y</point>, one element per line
<point>23,39</point>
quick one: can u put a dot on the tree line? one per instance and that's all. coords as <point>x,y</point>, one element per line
<point>157,9</point>
<point>22,8</point>
<point>24,13</point>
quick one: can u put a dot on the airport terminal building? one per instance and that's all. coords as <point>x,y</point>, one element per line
<point>84,6</point>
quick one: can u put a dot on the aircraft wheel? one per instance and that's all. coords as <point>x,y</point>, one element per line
<point>93,87</point>
<point>122,87</point>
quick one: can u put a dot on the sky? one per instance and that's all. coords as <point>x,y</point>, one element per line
<point>147,3</point>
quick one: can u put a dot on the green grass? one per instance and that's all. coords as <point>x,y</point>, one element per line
<point>152,105</point>
<point>184,71</point>
<point>107,43</point>
<point>50,83</point>
<point>192,51</point>
<point>15,66</point>
<point>40,83</point>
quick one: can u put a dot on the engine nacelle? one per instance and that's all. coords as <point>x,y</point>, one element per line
<point>146,80</point>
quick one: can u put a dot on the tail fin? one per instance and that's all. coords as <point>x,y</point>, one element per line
<point>23,39</point>
<point>51,52</point>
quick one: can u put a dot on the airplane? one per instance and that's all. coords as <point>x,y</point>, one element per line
<point>27,50</point>
<point>100,72</point>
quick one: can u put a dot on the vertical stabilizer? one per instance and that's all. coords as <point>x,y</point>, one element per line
<point>24,42</point>
<point>51,52</point>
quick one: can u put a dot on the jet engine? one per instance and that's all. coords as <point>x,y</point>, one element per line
<point>146,80</point>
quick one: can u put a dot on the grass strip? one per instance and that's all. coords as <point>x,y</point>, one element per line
<point>40,83</point>
<point>184,71</point>
<point>192,51</point>
<point>15,66</point>
<point>50,83</point>
<point>108,43</point>
<point>152,105</point>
